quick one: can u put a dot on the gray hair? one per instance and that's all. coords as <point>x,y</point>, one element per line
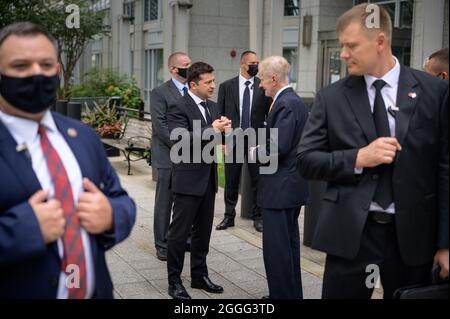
<point>275,65</point>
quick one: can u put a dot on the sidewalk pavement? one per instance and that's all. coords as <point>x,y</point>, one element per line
<point>235,259</point>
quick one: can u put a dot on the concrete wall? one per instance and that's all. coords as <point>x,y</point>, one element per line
<point>216,28</point>
<point>428,33</point>
<point>324,14</point>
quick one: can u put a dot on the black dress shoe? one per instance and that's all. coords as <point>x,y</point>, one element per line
<point>177,291</point>
<point>161,254</point>
<point>226,222</point>
<point>258,223</point>
<point>206,284</point>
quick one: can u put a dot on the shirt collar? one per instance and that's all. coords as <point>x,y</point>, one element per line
<point>391,78</point>
<point>242,81</point>
<point>196,99</point>
<point>279,92</point>
<point>23,130</point>
<point>180,86</point>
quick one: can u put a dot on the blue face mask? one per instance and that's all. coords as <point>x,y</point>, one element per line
<point>33,94</point>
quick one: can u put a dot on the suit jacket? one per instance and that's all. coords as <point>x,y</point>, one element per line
<point>228,102</point>
<point>191,178</point>
<point>160,99</point>
<point>28,267</point>
<point>285,188</point>
<point>340,124</point>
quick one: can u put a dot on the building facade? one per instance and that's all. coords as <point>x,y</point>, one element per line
<point>145,32</point>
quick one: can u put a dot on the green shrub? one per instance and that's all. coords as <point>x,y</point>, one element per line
<point>109,83</point>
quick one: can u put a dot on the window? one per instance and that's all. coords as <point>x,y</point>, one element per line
<point>291,55</point>
<point>96,60</point>
<point>153,71</point>
<point>401,11</point>
<point>128,10</point>
<point>291,8</point>
<point>151,10</point>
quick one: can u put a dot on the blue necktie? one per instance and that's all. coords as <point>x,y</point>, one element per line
<point>185,90</point>
<point>245,119</point>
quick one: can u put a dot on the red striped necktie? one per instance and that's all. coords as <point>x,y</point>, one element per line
<point>73,261</point>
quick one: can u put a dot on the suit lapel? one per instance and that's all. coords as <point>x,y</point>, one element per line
<point>78,148</point>
<point>173,89</point>
<point>19,162</point>
<point>356,93</point>
<point>235,92</point>
<point>194,109</point>
<point>406,86</point>
<point>256,94</point>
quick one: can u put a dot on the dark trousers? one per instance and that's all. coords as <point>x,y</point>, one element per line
<point>191,215</point>
<point>163,207</point>
<point>354,279</point>
<point>232,181</point>
<point>281,250</point>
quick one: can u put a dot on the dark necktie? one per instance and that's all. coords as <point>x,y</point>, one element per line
<point>72,241</point>
<point>185,90</point>
<point>383,194</point>
<point>245,120</point>
<point>207,114</point>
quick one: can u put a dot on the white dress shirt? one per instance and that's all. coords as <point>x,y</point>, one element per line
<point>242,87</point>
<point>197,101</point>
<point>389,94</point>
<point>180,86</point>
<point>25,132</point>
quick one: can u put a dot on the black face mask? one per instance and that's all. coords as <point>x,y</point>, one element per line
<point>182,72</point>
<point>33,94</point>
<point>252,70</point>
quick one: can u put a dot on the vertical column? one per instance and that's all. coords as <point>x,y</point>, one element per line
<point>256,16</point>
<point>428,31</point>
<point>116,10</point>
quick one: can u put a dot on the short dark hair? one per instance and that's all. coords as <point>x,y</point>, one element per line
<point>23,29</point>
<point>441,61</point>
<point>196,70</point>
<point>245,53</point>
<point>172,58</point>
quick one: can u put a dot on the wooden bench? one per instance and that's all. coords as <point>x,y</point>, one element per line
<point>135,139</point>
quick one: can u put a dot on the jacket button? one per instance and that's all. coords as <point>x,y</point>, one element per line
<point>375,177</point>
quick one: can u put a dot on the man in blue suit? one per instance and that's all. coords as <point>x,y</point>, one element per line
<point>61,203</point>
<point>281,194</point>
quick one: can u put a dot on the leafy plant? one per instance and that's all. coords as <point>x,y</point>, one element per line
<point>52,15</point>
<point>109,83</point>
<point>105,120</point>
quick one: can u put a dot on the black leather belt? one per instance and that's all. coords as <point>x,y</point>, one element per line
<point>381,217</point>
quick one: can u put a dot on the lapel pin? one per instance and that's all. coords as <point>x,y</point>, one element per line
<point>21,147</point>
<point>412,95</point>
<point>72,132</point>
<point>393,110</point>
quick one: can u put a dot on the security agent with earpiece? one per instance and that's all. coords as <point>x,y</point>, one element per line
<point>244,102</point>
<point>61,203</point>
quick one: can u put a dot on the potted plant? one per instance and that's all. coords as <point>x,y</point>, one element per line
<point>105,120</point>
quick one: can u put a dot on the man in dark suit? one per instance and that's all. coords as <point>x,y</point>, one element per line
<point>61,203</point>
<point>380,139</point>
<point>244,102</point>
<point>437,64</point>
<point>281,193</point>
<point>160,99</point>
<point>194,182</point>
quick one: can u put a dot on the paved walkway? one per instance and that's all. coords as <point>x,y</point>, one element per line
<point>235,259</point>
